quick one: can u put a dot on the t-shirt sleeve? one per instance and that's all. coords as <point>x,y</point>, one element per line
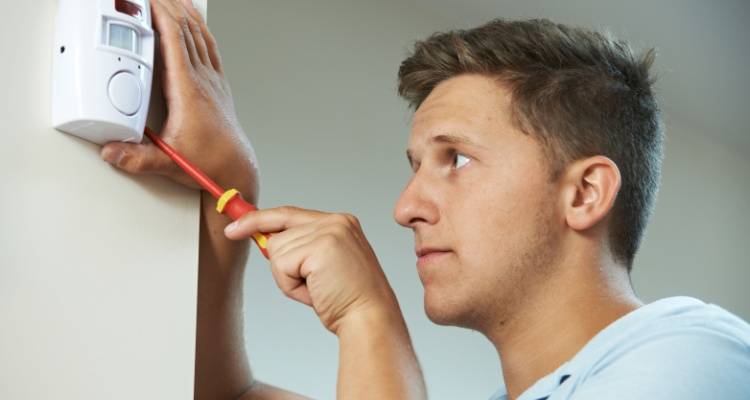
<point>695,364</point>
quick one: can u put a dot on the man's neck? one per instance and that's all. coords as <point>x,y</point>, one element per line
<point>557,320</point>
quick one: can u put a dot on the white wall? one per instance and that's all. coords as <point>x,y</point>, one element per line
<point>315,84</point>
<point>98,269</point>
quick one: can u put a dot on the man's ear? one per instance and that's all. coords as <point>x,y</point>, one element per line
<point>589,192</point>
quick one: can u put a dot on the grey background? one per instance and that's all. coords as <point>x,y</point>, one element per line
<point>314,84</point>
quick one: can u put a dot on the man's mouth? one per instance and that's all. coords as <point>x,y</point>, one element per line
<point>427,255</point>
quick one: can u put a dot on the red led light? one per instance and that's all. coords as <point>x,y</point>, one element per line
<point>128,7</point>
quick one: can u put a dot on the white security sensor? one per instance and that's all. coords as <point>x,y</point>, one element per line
<point>102,69</point>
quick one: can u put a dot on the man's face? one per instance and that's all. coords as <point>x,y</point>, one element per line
<point>480,203</point>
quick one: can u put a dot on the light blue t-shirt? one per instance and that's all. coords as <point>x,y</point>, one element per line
<point>674,348</point>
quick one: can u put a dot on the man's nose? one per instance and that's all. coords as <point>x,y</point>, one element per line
<point>416,205</point>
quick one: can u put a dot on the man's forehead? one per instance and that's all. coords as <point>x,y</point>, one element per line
<point>444,118</point>
<point>463,106</point>
<point>467,98</point>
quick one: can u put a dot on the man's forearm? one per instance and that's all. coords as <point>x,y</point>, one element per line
<point>376,359</point>
<point>221,367</point>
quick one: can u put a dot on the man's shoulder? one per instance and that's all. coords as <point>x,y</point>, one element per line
<point>685,317</point>
<point>677,347</point>
<point>677,323</point>
<point>686,328</point>
<point>674,348</point>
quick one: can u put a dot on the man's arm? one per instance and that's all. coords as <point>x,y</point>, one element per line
<point>222,370</point>
<point>202,125</point>
<point>221,367</point>
<point>376,359</point>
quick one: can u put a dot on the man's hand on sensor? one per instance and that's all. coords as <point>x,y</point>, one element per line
<point>201,122</point>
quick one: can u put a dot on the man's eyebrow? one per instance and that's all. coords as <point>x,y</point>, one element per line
<point>452,138</point>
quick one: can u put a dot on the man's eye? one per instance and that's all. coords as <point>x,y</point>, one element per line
<point>459,160</point>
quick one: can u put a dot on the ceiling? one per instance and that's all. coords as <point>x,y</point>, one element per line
<point>703,50</point>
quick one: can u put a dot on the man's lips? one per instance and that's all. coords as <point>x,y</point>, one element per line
<point>424,251</point>
<point>426,255</point>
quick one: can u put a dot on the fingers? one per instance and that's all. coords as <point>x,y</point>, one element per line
<point>212,49</point>
<point>281,242</point>
<point>195,22</point>
<point>137,158</point>
<point>211,46</point>
<point>181,19</point>
<point>173,45</point>
<point>182,24</point>
<point>286,267</point>
<point>270,220</point>
<point>195,59</point>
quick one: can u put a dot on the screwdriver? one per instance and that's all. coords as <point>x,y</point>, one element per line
<point>229,202</point>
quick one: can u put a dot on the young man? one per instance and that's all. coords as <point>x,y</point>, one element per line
<point>536,151</point>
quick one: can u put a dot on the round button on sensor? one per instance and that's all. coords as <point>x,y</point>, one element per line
<point>125,92</point>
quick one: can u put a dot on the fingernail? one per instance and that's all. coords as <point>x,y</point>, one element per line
<point>112,156</point>
<point>231,227</point>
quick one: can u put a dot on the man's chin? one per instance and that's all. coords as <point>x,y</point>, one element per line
<point>451,308</point>
<point>443,312</point>
<point>436,317</point>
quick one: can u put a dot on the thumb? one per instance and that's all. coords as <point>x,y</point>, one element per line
<point>138,158</point>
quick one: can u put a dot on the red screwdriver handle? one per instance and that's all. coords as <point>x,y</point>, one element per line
<point>235,207</point>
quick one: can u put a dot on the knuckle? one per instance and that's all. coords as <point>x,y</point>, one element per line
<point>281,267</point>
<point>184,22</point>
<point>340,219</point>
<point>339,230</point>
<point>180,35</point>
<point>274,266</point>
<point>287,209</point>
<point>330,240</point>
<point>138,164</point>
<point>345,222</point>
<point>280,283</point>
<point>194,26</point>
<point>172,32</point>
<point>351,220</point>
<point>276,271</point>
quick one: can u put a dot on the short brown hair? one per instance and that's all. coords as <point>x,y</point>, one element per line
<point>580,93</point>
